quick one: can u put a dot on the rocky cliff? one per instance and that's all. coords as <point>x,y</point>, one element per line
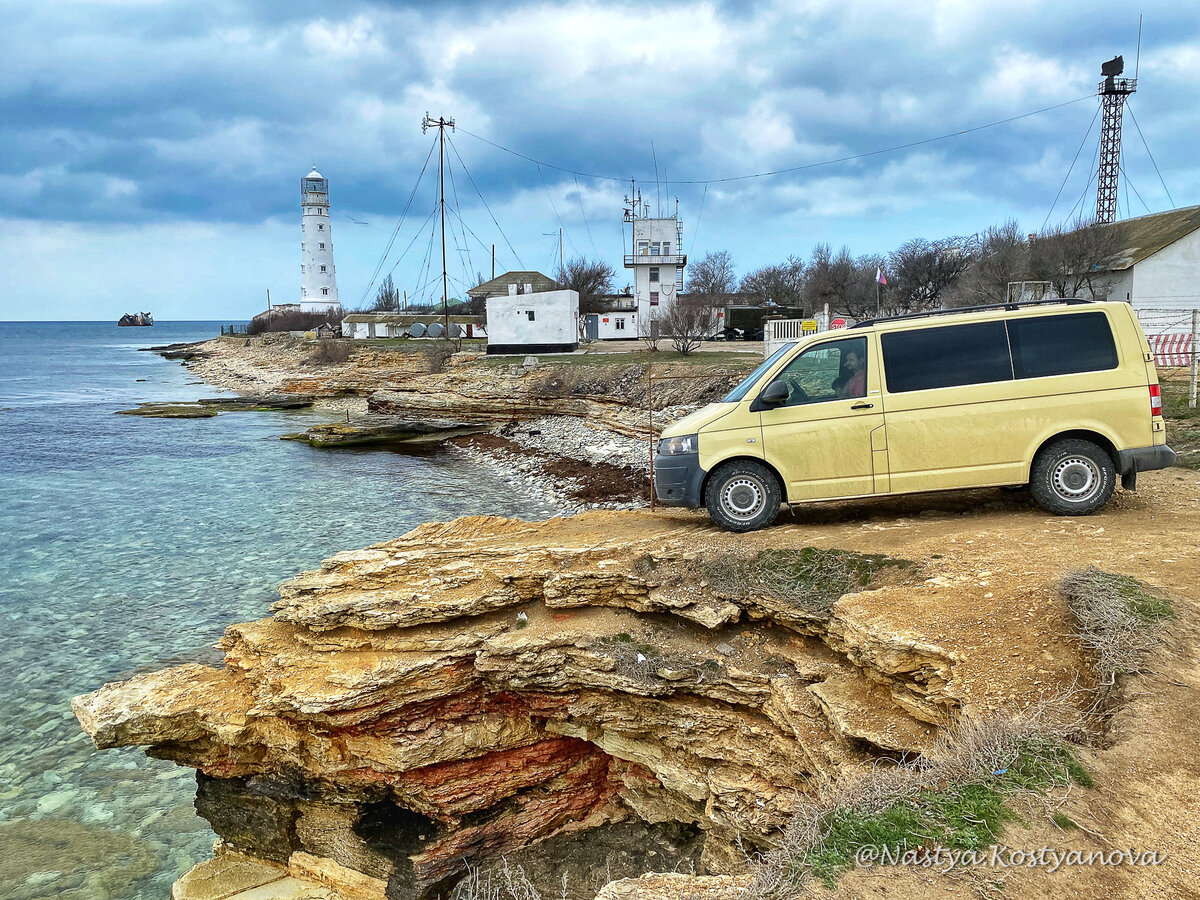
<point>479,687</point>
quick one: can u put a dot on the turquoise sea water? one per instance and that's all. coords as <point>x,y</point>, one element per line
<point>129,543</point>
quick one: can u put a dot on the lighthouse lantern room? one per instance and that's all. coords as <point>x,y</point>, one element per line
<point>318,281</point>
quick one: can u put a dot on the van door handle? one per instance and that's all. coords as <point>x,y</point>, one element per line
<point>863,406</point>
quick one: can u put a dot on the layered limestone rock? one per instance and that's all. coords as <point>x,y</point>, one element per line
<point>614,397</point>
<point>478,687</point>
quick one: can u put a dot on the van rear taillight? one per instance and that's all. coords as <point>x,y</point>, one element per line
<point>1155,400</point>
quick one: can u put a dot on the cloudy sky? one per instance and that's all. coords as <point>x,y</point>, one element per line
<point>152,149</point>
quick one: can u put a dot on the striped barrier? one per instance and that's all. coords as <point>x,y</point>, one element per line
<point>1171,349</point>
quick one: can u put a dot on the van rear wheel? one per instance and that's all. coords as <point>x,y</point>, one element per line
<point>1072,477</point>
<point>743,495</point>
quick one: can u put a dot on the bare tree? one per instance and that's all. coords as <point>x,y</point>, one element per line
<point>686,321</point>
<point>590,278</point>
<point>781,284</point>
<point>1075,260</point>
<point>847,284</point>
<point>387,299</point>
<point>712,275</point>
<point>649,332</point>
<point>1001,256</point>
<point>920,272</point>
<point>828,277</point>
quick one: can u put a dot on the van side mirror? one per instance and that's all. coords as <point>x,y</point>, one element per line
<point>775,394</point>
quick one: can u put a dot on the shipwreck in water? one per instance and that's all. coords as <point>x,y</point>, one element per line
<point>141,318</point>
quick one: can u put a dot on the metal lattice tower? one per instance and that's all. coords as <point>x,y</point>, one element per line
<point>1113,93</point>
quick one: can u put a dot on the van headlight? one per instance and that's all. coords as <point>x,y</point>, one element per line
<point>679,446</point>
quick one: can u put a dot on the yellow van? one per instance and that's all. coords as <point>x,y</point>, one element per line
<point>1059,395</point>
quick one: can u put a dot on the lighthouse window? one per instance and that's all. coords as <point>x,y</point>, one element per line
<point>653,272</point>
<point>324,290</point>
<point>322,268</point>
<point>654,298</point>
<point>322,245</point>
<point>320,227</point>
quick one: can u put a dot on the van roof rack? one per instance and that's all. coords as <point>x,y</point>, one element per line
<point>1061,301</point>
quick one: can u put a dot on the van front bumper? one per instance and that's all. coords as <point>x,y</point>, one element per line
<point>1145,459</point>
<point>677,480</point>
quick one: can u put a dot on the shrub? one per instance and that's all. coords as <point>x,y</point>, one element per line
<point>437,354</point>
<point>811,579</point>
<point>329,352</point>
<point>292,320</point>
<point>955,797</point>
<point>1116,615</point>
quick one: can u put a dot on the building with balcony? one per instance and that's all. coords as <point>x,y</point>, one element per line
<point>657,259</point>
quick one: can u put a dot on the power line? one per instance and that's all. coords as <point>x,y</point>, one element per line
<point>827,162</point>
<point>583,212</point>
<point>1129,183</point>
<point>466,246</point>
<point>485,203</point>
<point>1082,197</point>
<point>467,227</point>
<point>419,232</point>
<point>1071,168</point>
<point>396,232</point>
<point>696,234</point>
<point>1151,155</point>
<point>556,215</point>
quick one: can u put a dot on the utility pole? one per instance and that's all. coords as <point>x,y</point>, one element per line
<point>1195,357</point>
<point>493,261</point>
<point>268,299</point>
<point>560,259</point>
<point>441,123</point>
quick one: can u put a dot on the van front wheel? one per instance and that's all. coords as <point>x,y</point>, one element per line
<point>743,495</point>
<point>1072,478</point>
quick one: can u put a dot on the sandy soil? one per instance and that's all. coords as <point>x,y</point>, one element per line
<point>987,547</point>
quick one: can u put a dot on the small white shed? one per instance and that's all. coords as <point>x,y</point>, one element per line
<point>546,322</point>
<point>620,325</point>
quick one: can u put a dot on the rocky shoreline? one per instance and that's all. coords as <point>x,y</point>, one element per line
<point>580,438</point>
<point>480,686</point>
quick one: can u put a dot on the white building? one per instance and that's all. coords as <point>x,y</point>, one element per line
<point>1158,268</point>
<point>657,260</point>
<point>318,279</point>
<point>545,322</point>
<point>611,325</point>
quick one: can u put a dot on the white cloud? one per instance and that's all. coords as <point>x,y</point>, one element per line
<point>343,40</point>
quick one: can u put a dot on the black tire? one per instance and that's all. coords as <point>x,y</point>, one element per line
<point>743,495</point>
<point>1072,477</point>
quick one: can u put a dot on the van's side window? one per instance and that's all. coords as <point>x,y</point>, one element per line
<point>835,370</point>
<point>950,356</point>
<point>1061,345</point>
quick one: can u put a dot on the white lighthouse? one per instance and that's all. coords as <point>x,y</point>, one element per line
<point>318,281</point>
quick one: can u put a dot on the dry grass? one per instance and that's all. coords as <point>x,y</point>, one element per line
<point>810,579</point>
<point>1116,616</point>
<point>955,797</point>
<point>329,352</point>
<point>437,354</point>
<point>509,882</point>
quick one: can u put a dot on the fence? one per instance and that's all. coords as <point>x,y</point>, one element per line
<point>1174,337</point>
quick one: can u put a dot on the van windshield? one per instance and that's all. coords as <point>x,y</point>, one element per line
<point>744,388</point>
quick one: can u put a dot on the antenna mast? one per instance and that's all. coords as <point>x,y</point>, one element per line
<point>441,124</point>
<point>1113,93</point>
